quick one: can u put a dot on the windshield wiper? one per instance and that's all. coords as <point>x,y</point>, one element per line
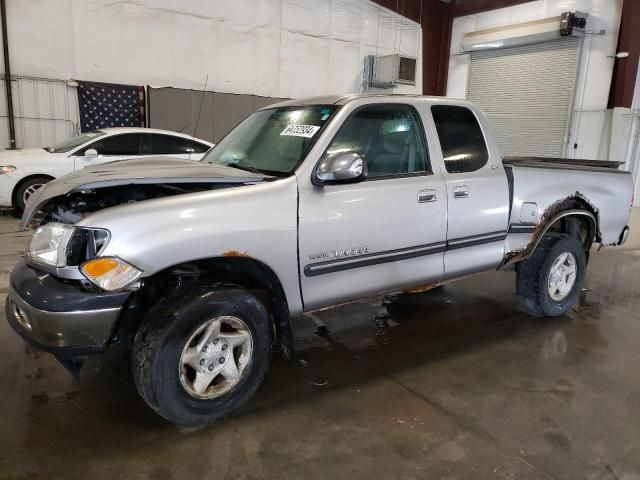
<point>267,173</point>
<point>246,168</point>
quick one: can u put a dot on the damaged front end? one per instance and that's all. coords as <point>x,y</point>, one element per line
<point>54,301</point>
<point>75,205</point>
<point>72,197</point>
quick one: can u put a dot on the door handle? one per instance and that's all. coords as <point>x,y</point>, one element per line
<point>461,192</point>
<point>427,195</point>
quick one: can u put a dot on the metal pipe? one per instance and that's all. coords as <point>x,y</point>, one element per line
<point>7,76</point>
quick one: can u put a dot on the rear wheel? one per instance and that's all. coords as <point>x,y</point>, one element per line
<point>548,283</point>
<point>28,188</point>
<point>199,356</point>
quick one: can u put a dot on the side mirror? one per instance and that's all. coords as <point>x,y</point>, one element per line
<point>348,167</point>
<point>91,152</point>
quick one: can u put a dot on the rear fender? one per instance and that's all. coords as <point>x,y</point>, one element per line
<point>544,227</point>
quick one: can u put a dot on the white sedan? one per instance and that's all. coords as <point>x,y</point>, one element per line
<point>22,172</point>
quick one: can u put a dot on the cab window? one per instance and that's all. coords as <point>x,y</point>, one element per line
<point>461,139</point>
<point>390,138</point>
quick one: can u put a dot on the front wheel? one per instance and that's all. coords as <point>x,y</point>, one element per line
<point>200,356</point>
<point>28,188</point>
<point>548,283</point>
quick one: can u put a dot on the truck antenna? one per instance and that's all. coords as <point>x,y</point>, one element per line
<point>204,89</point>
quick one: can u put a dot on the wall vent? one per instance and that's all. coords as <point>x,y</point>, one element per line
<point>391,70</point>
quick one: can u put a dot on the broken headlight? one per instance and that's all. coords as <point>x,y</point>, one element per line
<point>49,243</point>
<point>85,244</point>
<point>62,245</point>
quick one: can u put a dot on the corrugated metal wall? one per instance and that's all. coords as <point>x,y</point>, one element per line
<point>527,94</point>
<point>45,109</point>
<point>177,109</point>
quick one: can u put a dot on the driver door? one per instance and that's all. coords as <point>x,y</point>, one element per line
<point>383,234</point>
<point>115,147</point>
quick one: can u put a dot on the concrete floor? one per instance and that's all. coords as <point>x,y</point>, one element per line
<point>453,383</point>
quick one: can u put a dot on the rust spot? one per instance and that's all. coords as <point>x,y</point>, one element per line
<point>572,201</point>
<point>235,253</point>
<point>422,288</point>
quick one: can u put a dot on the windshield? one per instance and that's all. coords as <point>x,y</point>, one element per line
<point>271,141</point>
<point>74,142</point>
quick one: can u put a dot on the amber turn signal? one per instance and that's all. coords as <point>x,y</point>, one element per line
<point>110,273</point>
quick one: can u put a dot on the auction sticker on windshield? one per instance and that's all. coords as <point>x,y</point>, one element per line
<point>306,131</point>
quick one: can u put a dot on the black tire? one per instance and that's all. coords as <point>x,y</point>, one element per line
<point>20,191</point>
<point>532,276</point>
<point>158,347</point>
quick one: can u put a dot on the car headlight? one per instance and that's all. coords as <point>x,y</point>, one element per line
<point>49,242</point>
<point>6,169</point>
<point>110,273</point>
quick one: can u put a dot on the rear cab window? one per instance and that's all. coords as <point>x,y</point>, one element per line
<point>463,145</point>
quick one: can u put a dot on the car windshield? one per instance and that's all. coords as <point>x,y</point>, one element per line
<point>74,142</point>
<point>271,141</point>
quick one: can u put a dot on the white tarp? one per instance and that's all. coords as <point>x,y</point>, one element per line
<point>275,48</point>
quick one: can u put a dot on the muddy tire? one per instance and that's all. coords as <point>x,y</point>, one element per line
<point>548,283</point>
<point>26,189</point>
<point>202,353</point>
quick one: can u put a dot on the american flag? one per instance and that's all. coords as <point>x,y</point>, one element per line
<point>104,105</point>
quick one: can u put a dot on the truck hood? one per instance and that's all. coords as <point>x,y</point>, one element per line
<point>150,170</point>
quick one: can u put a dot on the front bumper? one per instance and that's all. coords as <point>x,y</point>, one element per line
<point>59,317</point>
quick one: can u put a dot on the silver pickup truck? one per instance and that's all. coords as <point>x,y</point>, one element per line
<point>202,266</point>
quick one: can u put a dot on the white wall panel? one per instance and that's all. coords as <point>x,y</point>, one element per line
<point>632,157</point>
<point>281,48</point>
<point>343,79</point>
<point>272,48</point>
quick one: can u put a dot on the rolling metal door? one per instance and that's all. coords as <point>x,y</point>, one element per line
<point>527,94</point>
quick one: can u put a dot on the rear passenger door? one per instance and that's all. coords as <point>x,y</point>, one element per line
<point>477,192</point>
<point>385,233</point>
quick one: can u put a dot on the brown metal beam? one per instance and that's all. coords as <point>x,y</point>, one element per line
<point>625,69</point>
<point>468,7</point>
<point>7,76</point>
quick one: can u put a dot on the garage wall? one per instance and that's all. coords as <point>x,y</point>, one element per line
<point>45,111</point>
<point>252,48</point>
<point>631,124</point>
<point>526,93</point>
<point>590,124</point>
<point>271,48</point>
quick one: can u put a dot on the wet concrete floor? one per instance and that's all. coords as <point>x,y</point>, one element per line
<point>452,383</point>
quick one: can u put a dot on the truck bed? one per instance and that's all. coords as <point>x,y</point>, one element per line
<point>542,183</point>
<point>564,163</point>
